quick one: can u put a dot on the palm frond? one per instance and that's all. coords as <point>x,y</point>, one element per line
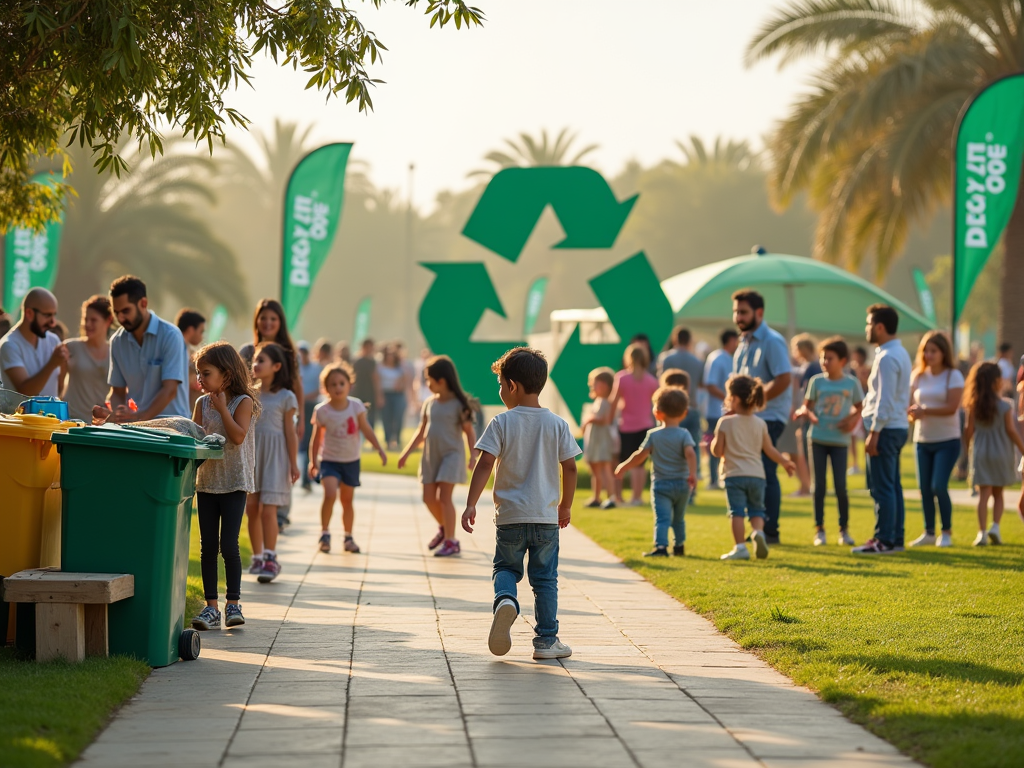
<point>807,27</point>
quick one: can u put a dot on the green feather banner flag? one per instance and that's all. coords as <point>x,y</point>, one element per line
<point>30,257</point>
<point>312,214</point>
<point>986,171</point>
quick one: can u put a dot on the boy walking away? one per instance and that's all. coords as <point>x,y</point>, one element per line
<point>529,444</point>
<point>832,405</point>
<point>673,468</point>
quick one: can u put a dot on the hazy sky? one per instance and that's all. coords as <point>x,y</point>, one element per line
<point>630,76</point>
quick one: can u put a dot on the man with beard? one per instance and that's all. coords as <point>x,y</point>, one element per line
<point>31,355</point>
<point>886,425</point>
<point>764,354</point>
<point>148,360</point>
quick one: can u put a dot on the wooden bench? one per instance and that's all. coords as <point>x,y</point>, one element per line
<point>71,609</point>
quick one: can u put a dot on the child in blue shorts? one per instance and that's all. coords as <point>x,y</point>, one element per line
<point>740,439</point>
<point>339,426</point>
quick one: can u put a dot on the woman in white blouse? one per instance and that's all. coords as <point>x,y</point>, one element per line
<point>935,391</point>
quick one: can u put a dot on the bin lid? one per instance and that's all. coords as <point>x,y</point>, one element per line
<point>139,439</point>
<point>32,426</point>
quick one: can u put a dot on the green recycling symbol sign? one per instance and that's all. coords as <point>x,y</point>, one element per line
<point>504,217</point>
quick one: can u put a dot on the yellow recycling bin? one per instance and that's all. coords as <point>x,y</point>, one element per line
<point>29,473</point>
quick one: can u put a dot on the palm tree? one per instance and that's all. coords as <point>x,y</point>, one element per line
<point>871,142</point>
<point>724,153</point>
<point>145,223</point>
<point>529,151</point>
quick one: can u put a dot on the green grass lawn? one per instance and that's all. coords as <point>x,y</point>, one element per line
<point>923,648</point>
<point>50,712</point>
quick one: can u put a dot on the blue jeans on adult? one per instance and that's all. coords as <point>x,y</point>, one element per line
<point>692,425</point>
<point>772,489</point>
<point>669,499</point>
<point>935,462</point>
<point>883,478</point>
<point>540,541</point>
<point>394,414</point>
<point>713,463</point>
<point>821,454</point>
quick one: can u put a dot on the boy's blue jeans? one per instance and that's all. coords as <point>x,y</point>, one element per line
<point>540,540</point>
<point>669,499</point>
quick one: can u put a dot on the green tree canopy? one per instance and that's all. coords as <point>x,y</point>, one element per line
<point>99,70</point>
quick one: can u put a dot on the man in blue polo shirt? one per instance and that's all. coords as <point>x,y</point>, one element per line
<point>763,353</point>
<point>148,359</point>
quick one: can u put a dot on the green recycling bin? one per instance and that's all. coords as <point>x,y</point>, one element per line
<point>127,508</point>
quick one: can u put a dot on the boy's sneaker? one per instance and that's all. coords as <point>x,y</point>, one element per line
<point>608,504</point>
<point>209,618</point>
<point>845,539</point>
<point>657,552</point>
<point>760,544</point>
<point>679,550</point>
<point>994,537</point>
<point>256,566</point>
<point>438,539</point>
<point>946,540</point>
<point>233,615</point>
<point>739,552</point>
<point>873,547</point>
<point>448,549</point>
<point>924,540</point>
<point>981,540</point>
<point>350,545</point>
<point>499,641</point>
<point>557,650</point>
<point>820,539</point>
<point>271,568</point>
<point>325,542</point>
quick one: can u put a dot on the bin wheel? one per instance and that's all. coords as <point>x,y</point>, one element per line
<point>189,645</point>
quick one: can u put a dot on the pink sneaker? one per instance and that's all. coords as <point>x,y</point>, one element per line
<point>437,540</point>
<point>450,548</point>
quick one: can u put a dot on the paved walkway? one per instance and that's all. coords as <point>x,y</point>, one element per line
<point>380,659</point>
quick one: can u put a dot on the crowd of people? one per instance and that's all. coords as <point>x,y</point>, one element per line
<point>752,404</point>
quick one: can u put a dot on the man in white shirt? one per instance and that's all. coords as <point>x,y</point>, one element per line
<point>31,355</point>
<point>886,425</point>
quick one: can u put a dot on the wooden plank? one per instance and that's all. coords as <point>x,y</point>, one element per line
<point>49,586</point>
<point>96,631</point>
<point>60,631</point>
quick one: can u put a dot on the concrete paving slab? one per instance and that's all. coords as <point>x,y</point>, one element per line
<point>380,659</point>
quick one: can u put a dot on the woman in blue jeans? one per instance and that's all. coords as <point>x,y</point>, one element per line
<point>935,391</point>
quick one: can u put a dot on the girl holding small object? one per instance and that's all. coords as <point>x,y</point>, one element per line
<point>229,408</point>
<point>598,439</point>
<point>446,419</point>
<point>339,424</point>
<point>276,450</point>
<point>991,434</point>
<point>740,439</point>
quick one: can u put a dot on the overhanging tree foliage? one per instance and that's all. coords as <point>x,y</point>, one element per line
<point>93,71</point>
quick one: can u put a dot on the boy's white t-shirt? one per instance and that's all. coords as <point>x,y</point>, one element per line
<point>529,444</point>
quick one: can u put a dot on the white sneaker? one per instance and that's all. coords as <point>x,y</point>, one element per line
<point>981,540</point>
<point>760,544</point>
<point>845,539</point>
<point>820,539</point>
<point>994,537</point>
<point>557,650</point>
<point>925,539</point>
<point>945,540</point>
<point>739,552</point>
<point>499,641</point>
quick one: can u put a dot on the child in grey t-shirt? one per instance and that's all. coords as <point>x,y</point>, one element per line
<point>529,444</point>
<point>673,468</point>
